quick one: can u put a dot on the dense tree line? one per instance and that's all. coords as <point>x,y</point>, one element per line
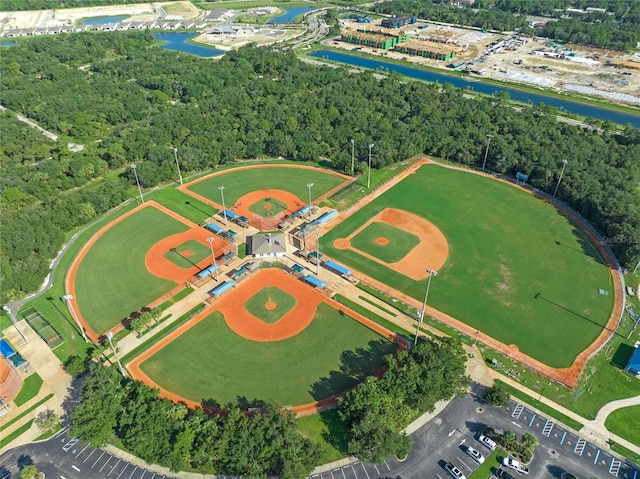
<point>267,444</point>
<point>378,409</point>
<point>128,101</point>
<point>23,5</point>
<point>619,30</point>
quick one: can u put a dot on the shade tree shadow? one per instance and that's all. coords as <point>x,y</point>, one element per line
<point>326,387</point>
<point>72,399</point>
<point>555,471</point>
<point>24,460</point>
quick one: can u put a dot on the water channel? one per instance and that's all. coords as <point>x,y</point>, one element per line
<point>177,41</point>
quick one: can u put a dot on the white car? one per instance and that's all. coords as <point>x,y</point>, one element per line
<point>479,458</point>
<point>454,471</point>
<point>490,443</point>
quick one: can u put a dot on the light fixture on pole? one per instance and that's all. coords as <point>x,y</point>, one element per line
<point>424,304</point>
<point>224,208</point>
<point>310,185</point>
<point>636,268</point>
<point>486,151</point>
<point>175,153</point>
<point>115,354</point>
<point>564,164</point>
<point>213,256</point>
<point>371,145</point>
<point>15,323</point>
<point>134,167</point>
<point>67,299</point>
<point>353,157</point>
<point>317,235</point>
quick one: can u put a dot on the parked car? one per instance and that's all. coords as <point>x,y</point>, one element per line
<point>502,474</point>
<point>454,471</point>
<point>479,458</point>
<point>490,443</point>
<point>515,465</point>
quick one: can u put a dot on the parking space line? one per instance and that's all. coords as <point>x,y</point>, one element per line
<point>563,436</point>
<point>517,411</point>
<point>90,454</point>
<point>548,427</point>
<point>354,471</point>
<point>344,476</point>
<point>60,433</point>
<point>99,457</point>
<point>595,461</point>
<point>377,471</point>
<point>123,469</point>
<point>580,445</point>
<point>635,474</point>
<point>463,463</point>
<point>144,471</point>
<point>332,474</point>
<point>114,467</point>
<point>85,448</point>
<point>385,463</point>
<point>105,464</point>
<point>154,475</point>
<point>365,470</point>
<point>615,467</point>
<point>135,468</point>
<point>532,418</point>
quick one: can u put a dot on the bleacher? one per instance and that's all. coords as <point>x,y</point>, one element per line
<point>207,271</point>
<point>336,268</point>
<point>221,288</point>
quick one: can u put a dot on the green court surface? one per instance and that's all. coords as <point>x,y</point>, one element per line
<point>518,269</point>
<point>188,254</point>
<point>267,207</point>
<point>209,361</point>
<point>399,242</point>
<point>258,305</point>
<point>238,183</point>
<point>112,281</point>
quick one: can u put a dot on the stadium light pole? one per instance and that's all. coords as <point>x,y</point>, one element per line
<point>486,151</point>
<point>213,256</point>
<point>317,235</point>
<point>309,185</point>
<point>67,299</point>
<point>175,153</point>
<point>636,268</point>
<point>564,164</point>
<point>115,354</point>
<point>371,145</point>
<point>224,208</point>
<point>353,157</point>
<point>432,273</point>
<point>15,323</point>
<point>134,167</point>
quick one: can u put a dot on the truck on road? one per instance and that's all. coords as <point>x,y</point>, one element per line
<point>515,465</point>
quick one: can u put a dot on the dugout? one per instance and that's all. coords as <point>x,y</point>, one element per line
<point>207,271</point>
<point>315,282</point>
<point>214,228</point>
<point>221,288</point>
<point>336,268</point>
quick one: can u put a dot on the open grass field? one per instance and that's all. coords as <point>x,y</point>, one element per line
<point>386,242</point>
<point>112,281</point>
<point>183,204</point>
<point>238,183</point>
<point>517,270</point>
<point>188,254</point>
<point>624,423</point>
<point>267,208</point>
<point>270,304</point>
<point>209,361</point>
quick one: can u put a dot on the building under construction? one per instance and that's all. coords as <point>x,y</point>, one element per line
<point>375,39</point>
<point>427,49</point>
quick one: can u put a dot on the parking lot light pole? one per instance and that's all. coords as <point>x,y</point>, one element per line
<point>371,145</point>
<point>175,153</point>
<point>115,354</point>
<point>213,256</point>
<point>486,151</point>
<point>224,208</point>
<point>134,167</point>
<point>309,185</point>
<point>424,304</point>
<point>353,157</point>
<point>564,165</point>
<point>67,299</point>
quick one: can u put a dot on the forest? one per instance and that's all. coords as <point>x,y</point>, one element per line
<point>128,101</point>
<point>619,30</point>
<point>268,443</point>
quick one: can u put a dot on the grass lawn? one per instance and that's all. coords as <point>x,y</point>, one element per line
<point>209,361</point>
<point>490,465</point>
<point>30,388</point>
<point>112,280</point>
<point>183,204</point>
<point>238,183</point>
<point>398,242</point>
<point>624,423</point>
<point>282,303</point>
<point>328,430</point>
<point>266,208</point>
<point>544,299</point>
<point>188,254</point>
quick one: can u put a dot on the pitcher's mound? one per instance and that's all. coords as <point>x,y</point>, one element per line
<point>270,305</point>
<point>382,241</point>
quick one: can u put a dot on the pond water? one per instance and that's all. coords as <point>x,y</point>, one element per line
<point>477,85</point>
<point>7,44</point>
<point>290,14</point>
<point>103,20</point>
<point>177,41</point>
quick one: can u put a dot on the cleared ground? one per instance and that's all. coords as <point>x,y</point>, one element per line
<point>209,361</point>
<point>517,269</point>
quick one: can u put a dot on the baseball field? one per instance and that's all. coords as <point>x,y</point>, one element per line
<point>516,268</point>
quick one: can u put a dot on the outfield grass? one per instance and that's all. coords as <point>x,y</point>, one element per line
<point>239,183</point>
<point>400,242</point>
<point>624,423</point>
<point>209,361</point>
<point>30,388</point>
<point>256,304</point>
<point>112,281</point>
<point>194,250</point>
<point>517,269</point>
<point>183,204</point>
